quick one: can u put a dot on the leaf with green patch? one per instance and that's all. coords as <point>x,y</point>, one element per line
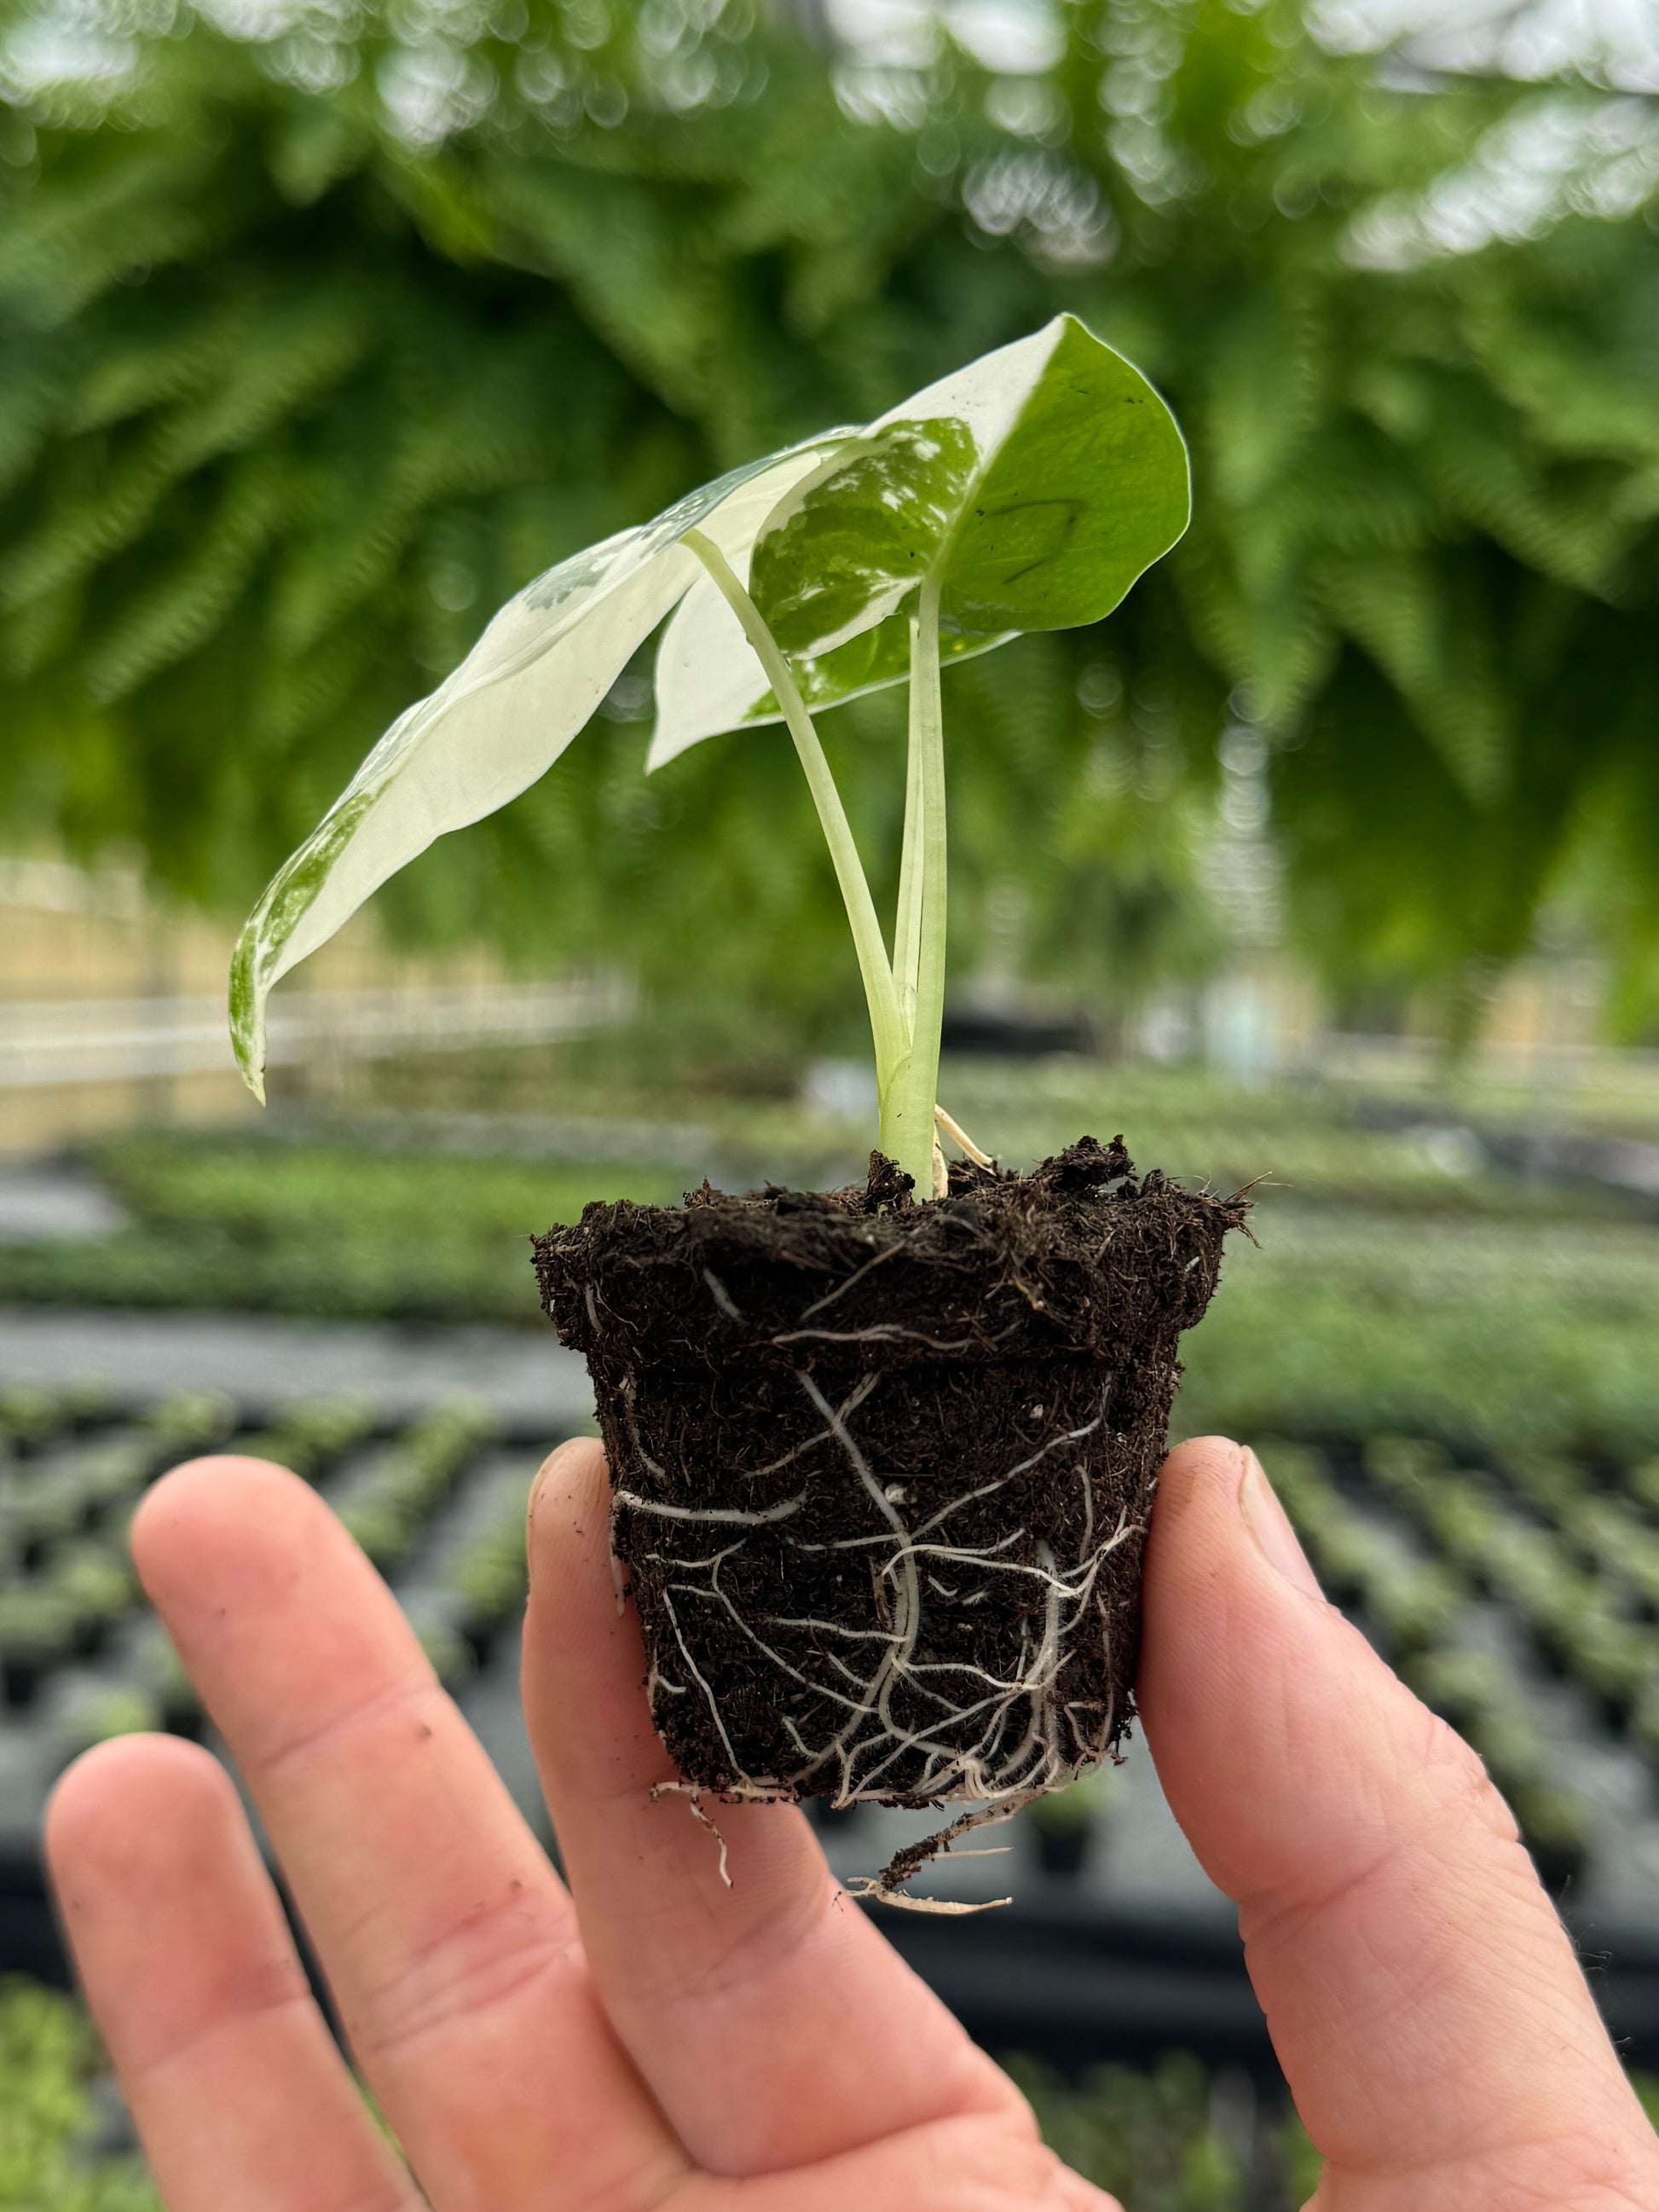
<point>1024,492</point>
<point>1037,485</point>
<point>527,688</point>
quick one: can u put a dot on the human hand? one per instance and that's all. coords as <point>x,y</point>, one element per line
<point>650,2041</point>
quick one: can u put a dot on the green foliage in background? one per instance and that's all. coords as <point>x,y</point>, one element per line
<point>1150,2135</point>
<point>315,341</point>
<point>1503,1335</point>
<point>1167,2142</point>
<point>323,1229</point>
<point>48,2056</point>
<point>1394,1285</point>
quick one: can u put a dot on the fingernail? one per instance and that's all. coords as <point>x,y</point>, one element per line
<point>1268,1521</point>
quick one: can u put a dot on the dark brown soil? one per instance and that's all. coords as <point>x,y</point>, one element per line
<point>882,1470</point>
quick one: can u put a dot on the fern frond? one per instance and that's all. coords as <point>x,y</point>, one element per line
<point>291,397</point>
<point>183,606</point>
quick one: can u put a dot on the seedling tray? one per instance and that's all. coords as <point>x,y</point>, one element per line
<point>1520,1599</point>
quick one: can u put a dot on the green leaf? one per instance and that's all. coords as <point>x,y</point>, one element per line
<point>502,718</point>
<point>1030,488</point>
<point>707,681</point>
<point>1037,485</point>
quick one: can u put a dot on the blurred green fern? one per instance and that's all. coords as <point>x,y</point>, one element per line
<point>315,344</point>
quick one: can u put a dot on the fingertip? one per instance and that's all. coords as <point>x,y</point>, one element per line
<point>582,1668</point>
<point>213,1473</point>
<point>575,1585</point>
<point>1217,1513</point>
<point>1248,1677</point>
<point>120,1805</point>
<point>570,1499</point>
<point>221,1488</point>
<point>1195,1521</point>
<point>1200,1471</point>
<point>1397,1936</point>
<point>572,1472</point>
<point>260,1585</point>
<point>174,1925</point>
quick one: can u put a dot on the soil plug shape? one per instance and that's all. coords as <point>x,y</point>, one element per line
<point>882,1471</point>
<point>882,1457</point>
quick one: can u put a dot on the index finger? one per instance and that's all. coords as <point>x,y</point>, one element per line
<point>448,1941</point>
<point>1433,2021</point>
<point>771,2019</point>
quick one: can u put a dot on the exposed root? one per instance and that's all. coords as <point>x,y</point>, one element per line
<point>896,1724</point>
<point>873,1887</point>
<point>883,1469</point>
<point>693,1806</point>
<point>887,1886</point>
<point>959,1137</point>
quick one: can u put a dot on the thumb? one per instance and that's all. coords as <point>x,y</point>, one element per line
<point>1422,1995</point>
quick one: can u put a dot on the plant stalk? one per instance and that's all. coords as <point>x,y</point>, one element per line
<point>887,1030</point>
<point>907,928</point>
<point>907,1126</point>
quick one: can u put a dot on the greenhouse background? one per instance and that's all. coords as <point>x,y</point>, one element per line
<point>1326,865</point>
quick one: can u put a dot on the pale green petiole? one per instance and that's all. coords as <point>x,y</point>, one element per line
<point>919,949</point>
<point>906,1000</point>
<point>906,932</point>
<point>1027,490</point>
<point>888,1028</point>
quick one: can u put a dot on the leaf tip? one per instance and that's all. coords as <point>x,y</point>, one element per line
<point>247,1013</point>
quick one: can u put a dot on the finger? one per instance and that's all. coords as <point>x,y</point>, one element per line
<point>772,2021</point>
<point>186,1961</point>
<point>1437,2033</point>
<point>973,2163</point>
<point>449,1943</point>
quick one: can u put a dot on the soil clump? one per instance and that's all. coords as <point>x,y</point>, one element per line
<point>882,1470</point>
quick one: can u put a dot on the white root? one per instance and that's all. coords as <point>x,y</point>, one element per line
<point>960,1138</point>
<point>890,1725</point>
<point>693,1806</point>
<point>711,1515</point>
<point>873,1887</point>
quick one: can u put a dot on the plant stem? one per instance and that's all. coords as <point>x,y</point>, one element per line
<point>906,1130</point>
<point>888,1028</point>
<point>906,929</point>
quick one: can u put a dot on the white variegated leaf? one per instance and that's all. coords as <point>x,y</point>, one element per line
<point>527,688</point>
<point>1031,488</point>
<point>708,677</point>
<point>708,681</point>
<point>1036,484</point>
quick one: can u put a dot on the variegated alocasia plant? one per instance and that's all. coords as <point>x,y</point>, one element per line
<point>1027,491</point>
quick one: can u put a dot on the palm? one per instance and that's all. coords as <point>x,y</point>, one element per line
<point>650,2041</point>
